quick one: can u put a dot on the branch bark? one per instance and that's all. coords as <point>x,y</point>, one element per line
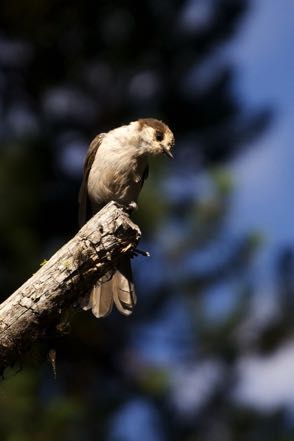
<point>67,276</point>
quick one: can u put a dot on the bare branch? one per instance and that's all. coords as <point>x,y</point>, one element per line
<point>67,276</point>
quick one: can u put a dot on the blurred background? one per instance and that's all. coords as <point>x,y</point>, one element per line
<point>209,352</point>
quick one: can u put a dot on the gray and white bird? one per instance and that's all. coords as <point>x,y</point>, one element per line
<point>116,167</point>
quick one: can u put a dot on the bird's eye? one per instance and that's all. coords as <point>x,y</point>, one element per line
<point>159,135</point>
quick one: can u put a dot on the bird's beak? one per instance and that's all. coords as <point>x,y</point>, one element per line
<point>167,152</point>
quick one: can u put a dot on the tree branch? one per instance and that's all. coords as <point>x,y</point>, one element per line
<point>67,276</point>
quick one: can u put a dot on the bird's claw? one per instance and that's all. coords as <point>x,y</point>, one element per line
<point>131,207</point>
<point>136,252</point>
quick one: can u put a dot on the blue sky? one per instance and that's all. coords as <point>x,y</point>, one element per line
<point>264,175</point>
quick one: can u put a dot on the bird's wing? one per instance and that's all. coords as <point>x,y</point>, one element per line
<point>145,175</point>
<point>84,203</point>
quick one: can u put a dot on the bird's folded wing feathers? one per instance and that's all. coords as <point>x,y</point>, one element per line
<point>84,205</point>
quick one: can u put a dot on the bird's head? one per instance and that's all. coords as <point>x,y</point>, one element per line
<point>155,137</point>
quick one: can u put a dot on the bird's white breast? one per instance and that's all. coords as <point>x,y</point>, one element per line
<point>117,169</point>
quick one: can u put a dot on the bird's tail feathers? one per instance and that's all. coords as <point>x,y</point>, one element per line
<point>123,289</point>
<point>118,289</point>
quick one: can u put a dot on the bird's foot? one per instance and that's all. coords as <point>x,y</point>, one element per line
<point>131,207</point>
<point>136,252</point>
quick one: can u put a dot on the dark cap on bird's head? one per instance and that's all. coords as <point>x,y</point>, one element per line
<point>162,139</point>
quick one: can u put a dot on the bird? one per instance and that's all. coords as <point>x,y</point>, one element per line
<point>115,168</point>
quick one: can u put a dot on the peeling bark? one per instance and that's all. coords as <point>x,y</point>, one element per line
<point>60,282</point>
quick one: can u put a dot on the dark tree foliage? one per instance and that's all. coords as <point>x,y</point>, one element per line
<point>71,69</point>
